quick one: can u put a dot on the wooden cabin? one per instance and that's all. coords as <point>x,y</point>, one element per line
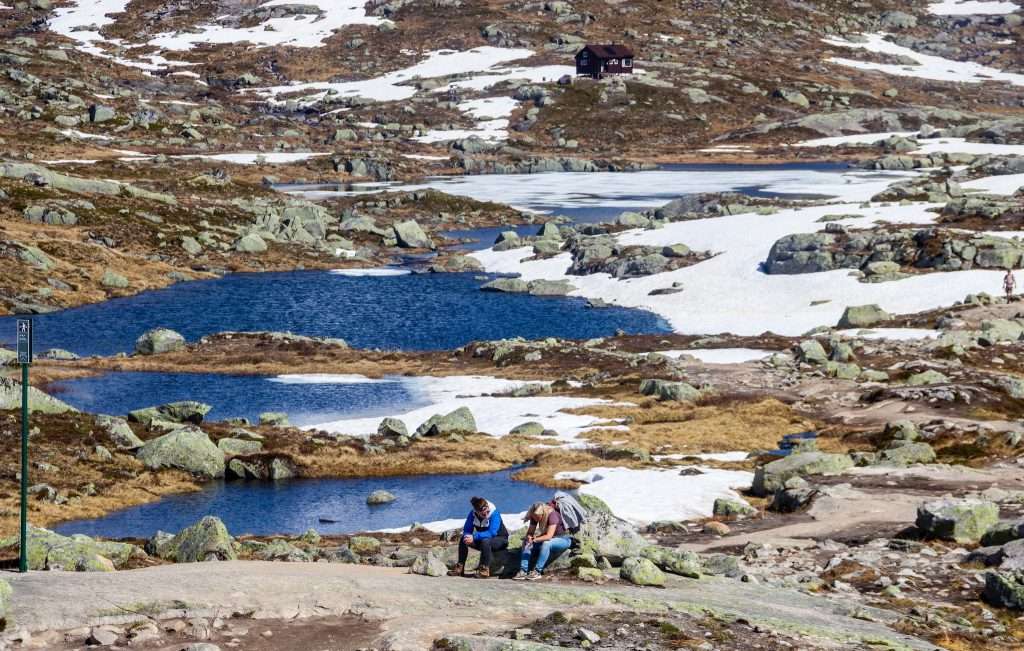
<point>599,60</point>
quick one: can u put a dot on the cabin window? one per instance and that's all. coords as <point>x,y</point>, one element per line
<point>627,63</point>
<point>613,62</point>
<point>584,59</point>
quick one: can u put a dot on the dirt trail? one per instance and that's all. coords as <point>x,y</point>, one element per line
<point>412,610</point>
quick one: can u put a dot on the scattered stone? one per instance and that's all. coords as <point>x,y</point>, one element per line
<point>959,520</point>
<point>159,340</point>
<point>380,497</point>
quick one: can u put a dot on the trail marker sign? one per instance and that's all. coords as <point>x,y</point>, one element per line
<point>24,341</point>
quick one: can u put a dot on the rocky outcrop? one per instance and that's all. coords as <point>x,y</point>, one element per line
<point>959,520</point>
<point>460,421</point>
<point>772,476</point>
<point>641,571</point>
<point>603,254</point>
<point>10,399</point>
<point>51,551</point>
<point>159,340</point>
<point>206,540</point>
<point>881,254</point>
<point>188,449</point>
<point>667,390</point>
<point>183,411</point>
<point>41,176</point>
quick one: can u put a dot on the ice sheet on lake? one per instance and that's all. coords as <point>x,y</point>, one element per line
<point>370,273</point>
<point>651,495</point>
<point>649,189</point>
<point>328,378</point>
<point>927,66</point>
<point>496,416</point>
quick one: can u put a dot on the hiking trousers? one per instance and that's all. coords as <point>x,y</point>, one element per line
<point>486,547</point>
<point>542,551</point>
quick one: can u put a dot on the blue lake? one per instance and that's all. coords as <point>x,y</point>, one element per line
<point>410,312</point>
<point>236,396</point>
<point>296,505</point>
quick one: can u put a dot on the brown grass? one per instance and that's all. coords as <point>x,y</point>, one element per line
<point>683,428</point>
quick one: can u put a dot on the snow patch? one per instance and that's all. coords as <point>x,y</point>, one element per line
<point>927,66</point>
<point>721,355</point>
<point>972,7</point>
<point>644,496</point>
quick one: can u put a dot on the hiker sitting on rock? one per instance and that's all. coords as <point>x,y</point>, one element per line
<point>546,535</point>
<point>483,531</point>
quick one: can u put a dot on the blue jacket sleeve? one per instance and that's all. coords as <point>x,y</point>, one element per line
<point>492,530</point>
<point>467,529</point>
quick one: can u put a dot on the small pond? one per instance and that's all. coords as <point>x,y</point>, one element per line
<point>403,312</point>
<point>292,507</point>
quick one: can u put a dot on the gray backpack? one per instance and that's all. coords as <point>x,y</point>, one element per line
<point>573,514</point>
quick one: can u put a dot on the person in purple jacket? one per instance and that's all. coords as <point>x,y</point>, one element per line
<point>485,532</point>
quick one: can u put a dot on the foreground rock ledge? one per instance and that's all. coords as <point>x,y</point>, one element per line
<point>408,604</point>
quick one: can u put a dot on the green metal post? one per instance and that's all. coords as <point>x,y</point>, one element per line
<point>23,557</point>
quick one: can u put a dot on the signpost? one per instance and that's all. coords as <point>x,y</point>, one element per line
<point>25,359</point>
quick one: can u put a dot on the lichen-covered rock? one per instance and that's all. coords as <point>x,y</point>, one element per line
<point>460,421</point>
<point>507,285</point>
<point>392,427</point>
<point>772,476</point>
<point>282,550</point>
<point>960,520</point>
<point>810,351</point>
<point>233,447</point>
<point>5,604</point>
<point>863,316</point>
<point>206,540</point>
<point>48,550</point>
<point>364,545</point>
<point>927,377</point>
<point>38,402</point>
<point>189,449</point>
<point>1003,532</point>
<point>683,563</point>
<point>274,419</point>
<point>159,340</point>
<point>725,507</point>
<point>428,565</point>
<point>119,432</point>
<point>411,236</point>
<point>641,571</point>
<point>667,390</point>
<point>183,411</point>
<point>1004,589</point>
<point>906,454</point>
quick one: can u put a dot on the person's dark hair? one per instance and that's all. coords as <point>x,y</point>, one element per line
<point>478,503</point>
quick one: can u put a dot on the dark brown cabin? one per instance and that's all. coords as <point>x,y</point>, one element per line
<point>598,60</point>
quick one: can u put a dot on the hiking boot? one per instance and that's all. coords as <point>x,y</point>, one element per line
<point>520,576</point>
<point>534,576</point>
<point>483,573</point>
<point>458,570</point>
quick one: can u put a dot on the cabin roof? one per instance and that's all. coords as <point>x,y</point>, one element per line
<point>609,51</point>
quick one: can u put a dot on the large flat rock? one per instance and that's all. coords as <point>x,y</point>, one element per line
<point>407,605</point>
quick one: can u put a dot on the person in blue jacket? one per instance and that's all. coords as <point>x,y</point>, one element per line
<point>485,532</point>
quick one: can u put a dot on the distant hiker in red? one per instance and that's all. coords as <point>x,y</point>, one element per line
<point>1009,284</point>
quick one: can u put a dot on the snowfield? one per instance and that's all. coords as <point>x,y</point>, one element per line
<point>307,30</point>
<point>652,495</point>
<point>928,67</point>
<point>729,292</point>
<point>972,7</point>
<point>396,85</point>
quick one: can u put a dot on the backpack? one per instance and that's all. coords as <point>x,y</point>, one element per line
<point>573,514</point>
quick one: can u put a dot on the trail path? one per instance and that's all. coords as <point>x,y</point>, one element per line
<point>414,610</point>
